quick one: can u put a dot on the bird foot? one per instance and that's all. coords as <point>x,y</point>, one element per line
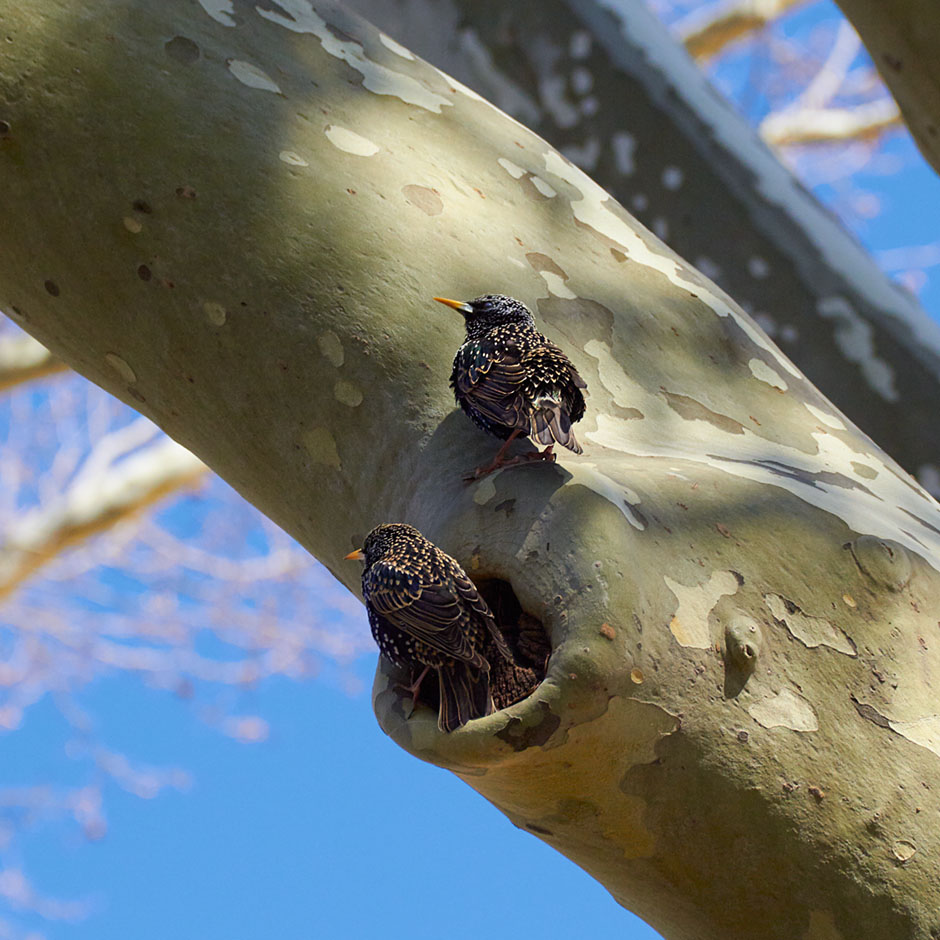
<point>547,455</point>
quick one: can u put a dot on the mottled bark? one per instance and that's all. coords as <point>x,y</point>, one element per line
<point>902,37</point>
<point>602,81</point>
<point>234,218</point>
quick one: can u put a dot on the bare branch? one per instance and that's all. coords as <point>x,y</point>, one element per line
<point>709,29</point>
<point>103,492</point>
<point>823,125</point>
<point>23,359</point>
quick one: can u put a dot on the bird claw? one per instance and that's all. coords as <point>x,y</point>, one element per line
<point>547,455</point>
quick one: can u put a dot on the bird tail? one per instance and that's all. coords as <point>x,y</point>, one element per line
<point>465,694</point>
<point>550,422</point>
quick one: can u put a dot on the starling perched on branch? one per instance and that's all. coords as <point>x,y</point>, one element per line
<point>512,381</point>
<point>425,611</point>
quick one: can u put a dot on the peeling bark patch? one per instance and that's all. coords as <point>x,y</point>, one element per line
<point>624,148</point>
<point>252,76</point>
<point>594,208</point>
<point>350,142</point>
<point>825,417</point>
<point>672,177</point>
<point>516,172</point>
<point>182,50</point>
<point>393,46</point>
<point>543,187</point>
<point>302,18</point>
<point>763,373</point>
<point>925,732</point>
<point>557,286</point>
<point>625,499</point>
<point>786,709</point>
<point>689,624</point>
<point>347,393</point>
<point>331,348</point>
<point>855,338</point>
<point>222,11</point>
<point>540,263</point>
<point>121,367</point>
<point>692,410</point>
<point>903,851</point>
<point>291,158</point>
<point>423,198</point>
<point>321,447</point>
<point>521,738</point>
<point>810,631</point>
<point>485,491</point>
<point>215,313</point>
<point>869,713</point>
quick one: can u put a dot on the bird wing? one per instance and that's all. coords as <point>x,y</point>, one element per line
<point>436,611</point>
<point>491,375</point>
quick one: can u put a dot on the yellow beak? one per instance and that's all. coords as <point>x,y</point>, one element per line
<point>456,304</point>
<point>354,556</point>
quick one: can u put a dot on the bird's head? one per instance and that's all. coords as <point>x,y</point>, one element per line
<point>489,311</point>
<point>382,539</point>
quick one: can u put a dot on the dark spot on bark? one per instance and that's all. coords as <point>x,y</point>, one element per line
<point>540,262</point>
<point>520,739</point>
<point>618,255</point>
<point>185,192</point>
<point>819,794</point>
<point>870,714</point>
<point>892,61</point>
<point>423,198</point>
<point>18,312</point>
<point>628,414</point>
<point>52,288</point>
<point>739,578</point>
<point>743,737</point>
<point>182,50</point>
<point>144,273</point>
<point>135,395</point>
<point>692,410</point>
<point>541,830</point>
<point>141,205</point>
<point>351,192</point>
<point>505,506</point>
<point>4,128</point>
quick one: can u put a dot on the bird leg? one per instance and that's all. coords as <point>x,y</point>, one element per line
<point>497,460</point>
<point>414,688</point>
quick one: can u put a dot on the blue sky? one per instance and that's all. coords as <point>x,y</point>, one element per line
<point>325,829</point>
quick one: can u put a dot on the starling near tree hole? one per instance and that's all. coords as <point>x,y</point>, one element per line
<point>425,613</point>
<point>514,382</point>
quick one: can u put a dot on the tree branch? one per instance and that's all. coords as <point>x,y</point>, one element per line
<point>723,514</point>
<point>22,359</point>
<point>109,487</point>
<point>710,28</point>
<point>603,81</point>
<point>824,125</point>
<point>902,37</point>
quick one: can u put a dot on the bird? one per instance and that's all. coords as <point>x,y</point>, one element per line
<point>425,611</point>
<point>512,381</point>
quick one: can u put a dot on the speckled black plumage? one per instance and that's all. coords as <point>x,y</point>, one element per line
<point>508,377</point>
<point>425,611</point>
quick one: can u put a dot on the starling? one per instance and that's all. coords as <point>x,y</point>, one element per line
<point>425,612</point>
<point>512,381</point>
